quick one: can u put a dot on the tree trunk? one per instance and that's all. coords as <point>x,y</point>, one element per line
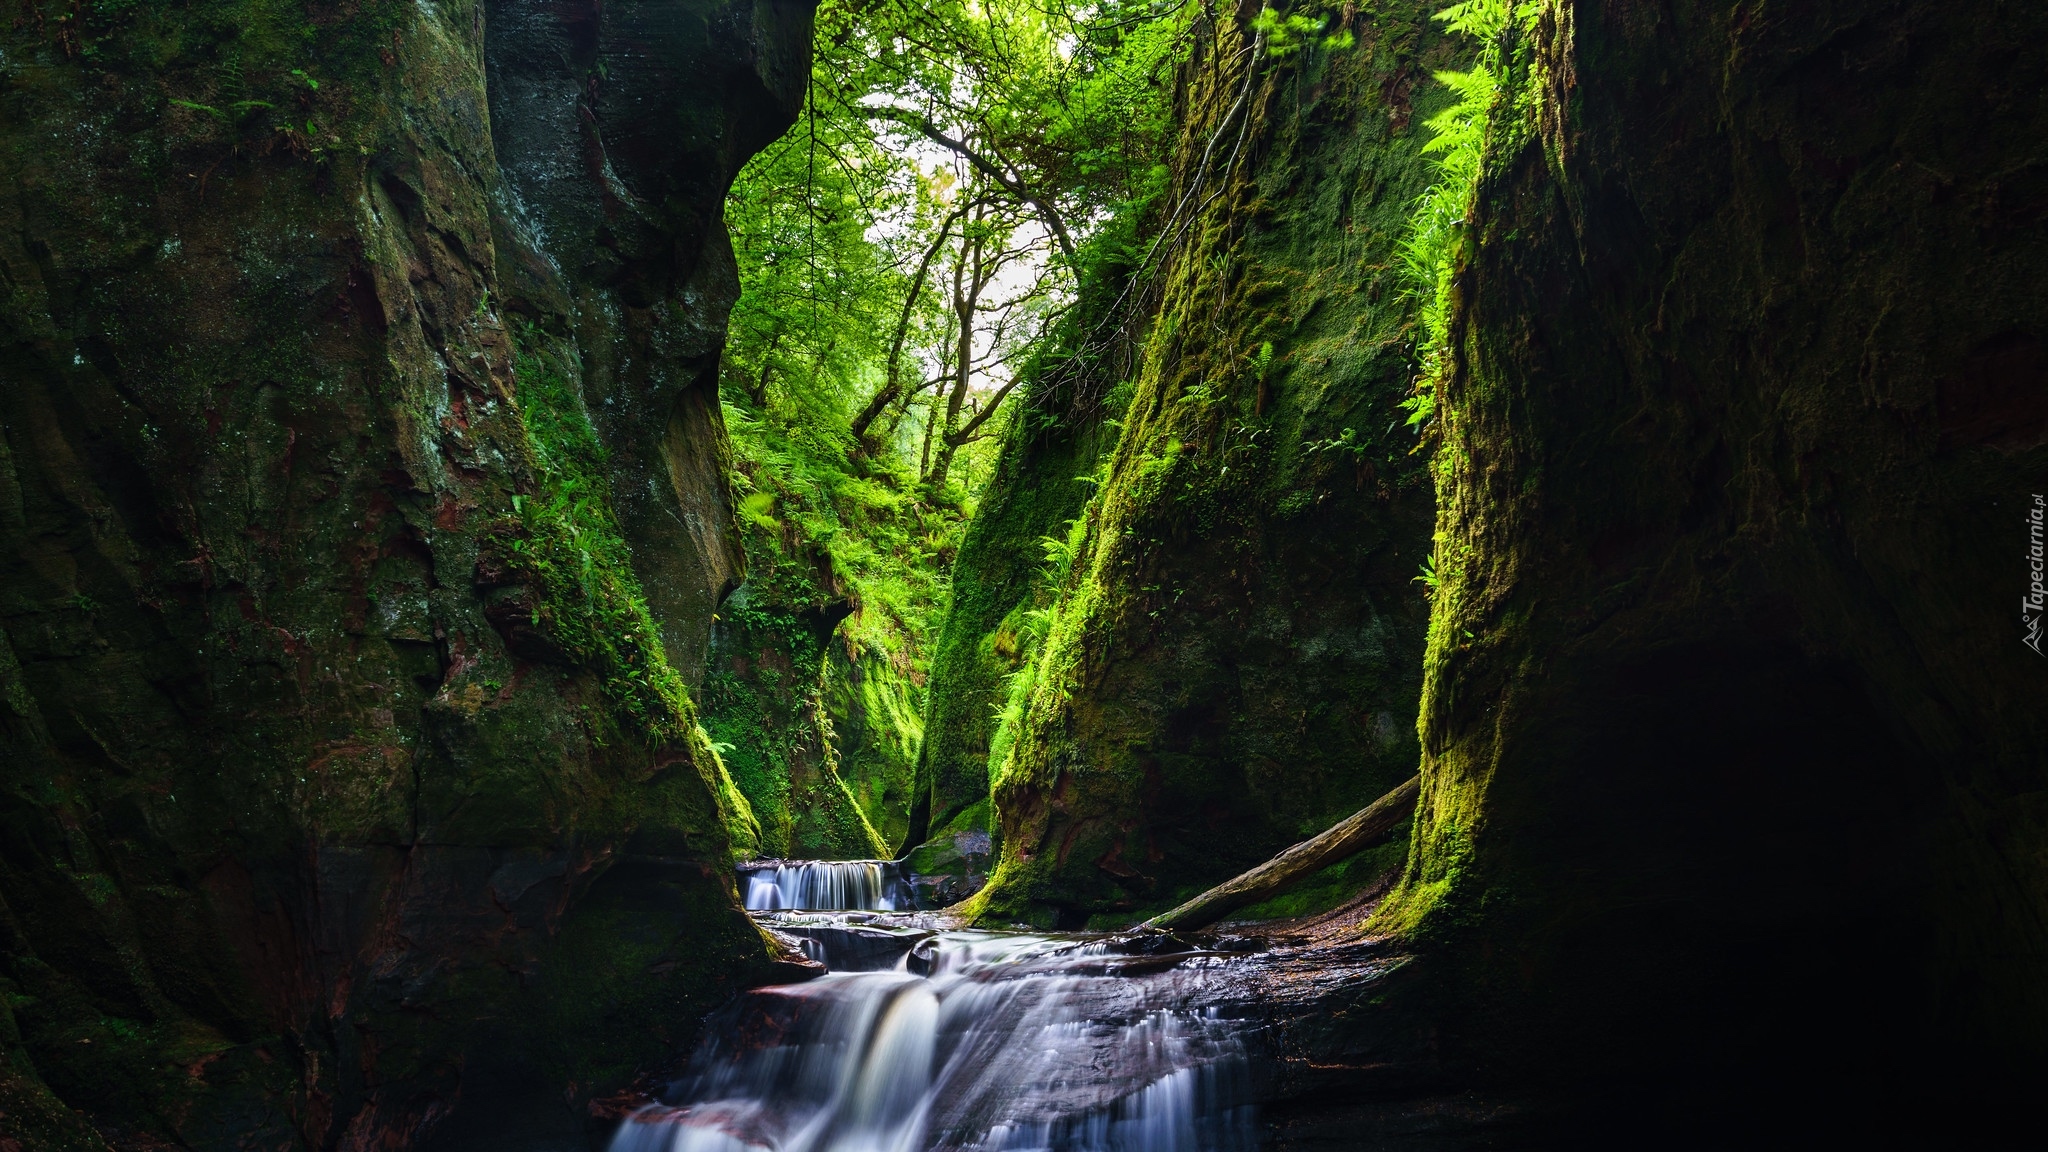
<point>1367,828</point>
<point>967,286</point>
<point>892,372</point>
<point>758,393</point>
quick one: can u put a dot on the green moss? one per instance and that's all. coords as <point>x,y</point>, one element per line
<point>941,851</point>
<point>1233,664</point>
<point>565,543</point>
<point>568,542</point>
<point>1005,577</point>
<point>820,660</point>
<point>877,725</point>
<point>251,74</point>
<point>1333,886</point>
<point>338,608</point>
<point>1493,97</point>
<point>767,696</point>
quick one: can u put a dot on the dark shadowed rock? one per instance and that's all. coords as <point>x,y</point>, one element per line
<point>1731,828</point>
<point>322,824</point>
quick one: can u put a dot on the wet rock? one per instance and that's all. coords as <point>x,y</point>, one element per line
<point>798,956</point>
<point>949,868</point>
<point>844,946</point>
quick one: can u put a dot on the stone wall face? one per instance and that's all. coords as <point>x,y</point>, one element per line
<point>319,827</point>
<point>1729,726</point>
<point>1234,665</point>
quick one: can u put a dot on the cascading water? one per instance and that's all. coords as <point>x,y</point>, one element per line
<point>871,885</point>
<point>962,1040</point>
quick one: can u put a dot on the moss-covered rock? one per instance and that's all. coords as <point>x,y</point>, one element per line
<point>876,707</point>
<point>1015,553</point>
<point>349,785</point>
<point>1732,791</point>
<point>1233,663</point>
<point>767,701</point>
<point>1042,481</point>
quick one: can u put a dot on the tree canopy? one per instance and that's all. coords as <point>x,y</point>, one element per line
<point>902,252</point>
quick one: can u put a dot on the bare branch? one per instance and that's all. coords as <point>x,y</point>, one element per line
<point>1004,176</point>
<point>966,432</point>
<point>891,378</point>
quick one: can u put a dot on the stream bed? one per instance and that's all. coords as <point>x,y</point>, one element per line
<point>922,1035</point>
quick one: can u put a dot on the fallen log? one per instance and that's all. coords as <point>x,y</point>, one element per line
<point>1363,829</point>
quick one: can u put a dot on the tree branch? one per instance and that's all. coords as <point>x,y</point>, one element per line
<point>1005,178</point>
<point>966,431</point>
<point>891,377</point>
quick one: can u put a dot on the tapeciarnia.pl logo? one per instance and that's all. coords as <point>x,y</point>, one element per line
<point>2037,595</point>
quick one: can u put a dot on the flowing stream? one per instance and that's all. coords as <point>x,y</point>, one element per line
<point>924,1037</point>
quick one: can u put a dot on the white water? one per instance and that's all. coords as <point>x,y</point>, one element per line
<point>872,885</point>
<point>1004,1042</point>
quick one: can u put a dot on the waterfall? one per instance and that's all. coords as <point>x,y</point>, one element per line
<point>871,885</point>
<point>970,1041</point>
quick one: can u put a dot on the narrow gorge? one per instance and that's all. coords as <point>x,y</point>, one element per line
<point>882,575</point>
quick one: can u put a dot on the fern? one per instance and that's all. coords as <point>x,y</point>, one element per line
<point>1430,579</point>
<point>1059,558</point>
<point>1457,144</point>
<point>1286,35</point>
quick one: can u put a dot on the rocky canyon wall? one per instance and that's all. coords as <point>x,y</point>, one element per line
<point>1234,663</point>
<point>361,513</point>
<point>1733,746</point>
<point>1731,741</point>
<point>783,692</point>
<point>1050,457</point>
